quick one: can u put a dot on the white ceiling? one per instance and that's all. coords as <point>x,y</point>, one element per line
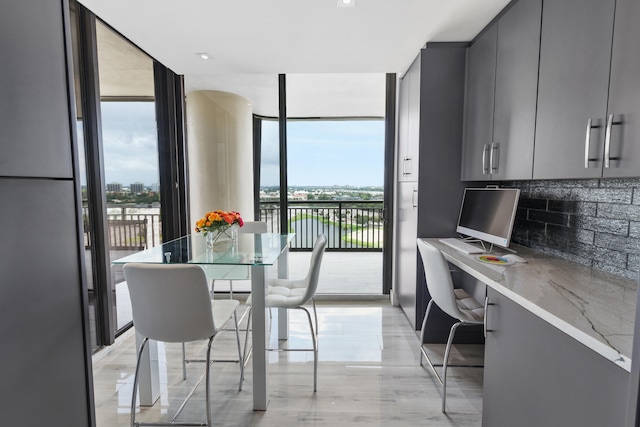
<point>249,42</point>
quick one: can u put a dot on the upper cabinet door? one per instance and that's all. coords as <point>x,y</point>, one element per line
<point>35,132</point>
<point>575,56</point>
<point>403,126</point>
<point>409,124</point>
<point>478,114</point>
<point>516,91</point>
<point>622,131</point>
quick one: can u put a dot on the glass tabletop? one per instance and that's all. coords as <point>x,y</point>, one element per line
<point>248,249</point>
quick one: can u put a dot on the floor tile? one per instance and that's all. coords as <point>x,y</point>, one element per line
<point>368,374</point>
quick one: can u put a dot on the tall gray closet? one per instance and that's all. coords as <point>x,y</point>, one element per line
<point>45,360</point>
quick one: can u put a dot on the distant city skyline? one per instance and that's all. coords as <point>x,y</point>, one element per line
<point>319,152</point>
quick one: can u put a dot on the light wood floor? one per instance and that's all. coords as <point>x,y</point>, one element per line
<point>369,374</point>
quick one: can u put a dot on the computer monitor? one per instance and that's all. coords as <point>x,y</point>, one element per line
<point>488,214</point>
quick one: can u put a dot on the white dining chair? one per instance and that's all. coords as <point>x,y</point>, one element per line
<point>455,302</point>
<point>171,303</point>
<point>294,294</point>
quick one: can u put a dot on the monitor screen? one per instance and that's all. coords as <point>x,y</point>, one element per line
<point>488,214</point>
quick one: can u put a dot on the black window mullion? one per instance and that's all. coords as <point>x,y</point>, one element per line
<point>171,152</point>
<point>97,209</point>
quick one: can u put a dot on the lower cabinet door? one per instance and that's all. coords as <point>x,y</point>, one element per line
<point>536,375</point>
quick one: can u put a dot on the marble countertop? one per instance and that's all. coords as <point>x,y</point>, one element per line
<point>594,307</point>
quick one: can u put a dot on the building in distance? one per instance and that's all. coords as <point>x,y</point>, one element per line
<point>136,188</point>
<point>114,187</point>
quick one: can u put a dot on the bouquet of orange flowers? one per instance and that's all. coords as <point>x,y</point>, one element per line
<point>218,220</point>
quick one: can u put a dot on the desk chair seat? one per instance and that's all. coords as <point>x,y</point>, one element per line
<point>170,303</point>
<point>294,294</point>
<point>455,302</point>
<point>470,309</point>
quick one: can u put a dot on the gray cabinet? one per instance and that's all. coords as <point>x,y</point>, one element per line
<point>575,55</point>
<point>502,84</point>
<point>34,103</point>
<point>427,203</point>
<point>478,113</point>
<point>405,250</point>
<point>536,375</point>
<point>44,351</point>
<point>409,124</point>
<point>623,119</point>
<point>516,90</point>
<point>46,362</point>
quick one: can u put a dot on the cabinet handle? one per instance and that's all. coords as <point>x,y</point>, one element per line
<point>494,148</point>
<point>607,141</point>
<point>414,198</point>
<point>484,321</point>
<point>485,148</point>
<point>404,166</point>
<point>587,143</point>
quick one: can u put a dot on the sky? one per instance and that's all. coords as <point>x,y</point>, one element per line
<point>130,142</point>
<point>326,153</point>
<point>320,152</point>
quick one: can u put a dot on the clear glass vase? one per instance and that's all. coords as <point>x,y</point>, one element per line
<point>222,234</point>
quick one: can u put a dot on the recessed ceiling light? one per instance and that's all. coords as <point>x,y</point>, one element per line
<point>203,55</point>
<point>346,3</point>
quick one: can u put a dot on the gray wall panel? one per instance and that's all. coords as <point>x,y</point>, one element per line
<point>34,109</point>
<point>41,331</point>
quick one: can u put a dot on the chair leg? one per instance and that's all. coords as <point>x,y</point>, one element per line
<point>240,355</point>
<point>246,337</point>
<point>422,333</point>
<point>314,340</point>
<point>446,363</point>
<point>207,384</point>
<point>248,348</point>
<point>135,383</point>
<point>315,316</point>
<point>207,388</point>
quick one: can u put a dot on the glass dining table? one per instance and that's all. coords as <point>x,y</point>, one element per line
<point>225,259</point>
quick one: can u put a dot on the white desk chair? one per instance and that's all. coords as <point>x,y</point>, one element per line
<point>294,294</point>
<point>170,303</point>
<point>455,302</point>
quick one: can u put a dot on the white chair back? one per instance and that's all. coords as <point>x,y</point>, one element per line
<point>311,280</point>
<point>253,227</point>
<point>170,302</point>
<point>438,278</point>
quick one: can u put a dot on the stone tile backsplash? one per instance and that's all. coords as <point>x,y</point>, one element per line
<point>595,222</point>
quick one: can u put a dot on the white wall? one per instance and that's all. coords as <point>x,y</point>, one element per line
<point>220,153</point>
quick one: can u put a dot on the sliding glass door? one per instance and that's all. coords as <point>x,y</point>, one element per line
<point>120,138</point>
<point>335,154</point>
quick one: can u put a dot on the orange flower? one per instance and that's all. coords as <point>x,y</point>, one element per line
<point>217,219</point>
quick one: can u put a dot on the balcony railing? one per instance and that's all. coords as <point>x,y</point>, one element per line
<point>348,225</point>
<point>130,228</point>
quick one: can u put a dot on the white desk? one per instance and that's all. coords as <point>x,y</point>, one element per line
<point>257,251</point>
<point>594,307</point>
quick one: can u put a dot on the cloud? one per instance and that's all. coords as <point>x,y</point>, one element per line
<point>130,142</point>
<point>320,152</point>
